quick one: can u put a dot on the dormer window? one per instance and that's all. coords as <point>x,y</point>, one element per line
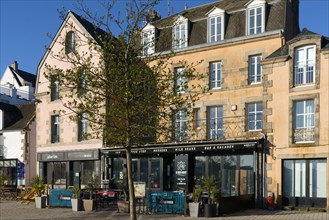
<point>70,42</point>
<point>304,72</point>
<point>180,33</point>
<point>256,17</point>
<point>148,38</point>
<point>216,25</point>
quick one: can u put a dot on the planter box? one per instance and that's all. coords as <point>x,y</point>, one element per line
<point>194,209</point>
<point>40,202</point>
<point>123,206</point>
<point>88,205</point>
<point>210,210</point>
<point>76,205</point>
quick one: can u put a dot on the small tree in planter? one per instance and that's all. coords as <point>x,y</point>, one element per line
<point>194,205</point>
<point>210,185</point>
<point>92,181</point>
<point>39,188</point>
<point>76,200</point>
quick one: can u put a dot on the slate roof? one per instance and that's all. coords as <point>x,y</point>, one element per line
<point>284,50</point>
<point>235,21</point>
<point>92,29</point>
<point>19,115</point>
<point>29,77</point>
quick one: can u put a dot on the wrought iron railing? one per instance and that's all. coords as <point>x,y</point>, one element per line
<point>229,128</point>
<point>303,135</point>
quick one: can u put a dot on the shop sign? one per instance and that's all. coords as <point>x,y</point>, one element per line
<point>186,149</point>
<point>82,155</point>
<point>181,171</point>
<point>52,156</point>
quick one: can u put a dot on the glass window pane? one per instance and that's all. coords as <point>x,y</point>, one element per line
<point>247,184</point>
<point>199,170</point>
<point>300,178</point>
<point>214,167</point>
<point>155,173</point>
<point>229,176</point>
<point>144,168</point>
<point>318,178</point>
<point>288,178</point>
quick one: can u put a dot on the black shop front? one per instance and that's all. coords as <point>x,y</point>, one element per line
<point>237,166</point>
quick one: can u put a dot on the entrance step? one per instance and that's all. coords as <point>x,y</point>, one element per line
<point>306,209</point>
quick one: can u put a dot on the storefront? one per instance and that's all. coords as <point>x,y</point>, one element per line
<point>10,172</point>
<point>238,168</point>
<point>63,169</point>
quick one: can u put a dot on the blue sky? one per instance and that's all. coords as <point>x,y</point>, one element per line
<point>24,25</point>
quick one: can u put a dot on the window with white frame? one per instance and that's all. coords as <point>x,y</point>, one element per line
<point>55,131</point>
<point>54,88</point>
<point>70,42</point>
<point>255,116</point>
<point>180,33</point>
<point>180,125</point>
<point>180,80</point>
<point>197,118</point>
<point>255,69</point>
<point>215,117</point>
<point>215,75</point>
<point>83,127</point>
<point>304,120</point>
<point>148,40</point>
<point>304,72</point>
<point>216,25</point>
<point>256,17</point>
<point>82,86</point>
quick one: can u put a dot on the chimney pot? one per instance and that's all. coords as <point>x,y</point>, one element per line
<point>14,65</point>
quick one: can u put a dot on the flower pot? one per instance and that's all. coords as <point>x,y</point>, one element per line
<point>209,210</point>
<point>123,206</point>
<point>88,205</point>
<point>194,209</point>
<point>76,205</point>
<point>40,202</point>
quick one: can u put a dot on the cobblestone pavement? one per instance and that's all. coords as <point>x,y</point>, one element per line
<point>13,210</point>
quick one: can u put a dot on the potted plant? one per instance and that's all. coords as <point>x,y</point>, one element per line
<point>39,188</point>
<point>194,205</point>
<point>92,181</point>
<point>210,185</point>
<point>76,200</point>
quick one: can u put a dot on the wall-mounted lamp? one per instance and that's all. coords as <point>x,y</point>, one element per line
<point>234,107</point>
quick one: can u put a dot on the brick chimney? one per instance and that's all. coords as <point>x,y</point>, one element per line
<point>153,16</point>
<point>14,65</point>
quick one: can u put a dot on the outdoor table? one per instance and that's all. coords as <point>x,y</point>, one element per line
<point>9,193</point>
<point>106,195</point>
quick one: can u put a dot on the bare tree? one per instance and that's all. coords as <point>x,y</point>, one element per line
<point>128,98</point>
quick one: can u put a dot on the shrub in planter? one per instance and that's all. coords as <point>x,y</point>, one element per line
<point>39,188</point>
<point>92,181</point>
<point>76,200</point>
<point>195,204</point>
<point>210,185</point>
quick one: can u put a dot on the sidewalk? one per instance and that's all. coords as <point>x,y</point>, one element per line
<point>13,210</point>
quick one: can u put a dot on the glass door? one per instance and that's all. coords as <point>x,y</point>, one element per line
<point>304,183</point>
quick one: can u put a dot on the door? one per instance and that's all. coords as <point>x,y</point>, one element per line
<point>304,183</point>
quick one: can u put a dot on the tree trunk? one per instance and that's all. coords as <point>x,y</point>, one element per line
<point>131,185</point>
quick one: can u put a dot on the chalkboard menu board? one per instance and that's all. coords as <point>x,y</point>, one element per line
<point>181,171</point>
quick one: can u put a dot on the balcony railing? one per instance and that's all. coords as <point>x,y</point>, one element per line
<point>304,135</point>
<point>15,93</point>
<point>231,128</point>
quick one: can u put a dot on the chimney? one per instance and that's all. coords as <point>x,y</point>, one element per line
<point>14,65</point>
<point>153,16</point>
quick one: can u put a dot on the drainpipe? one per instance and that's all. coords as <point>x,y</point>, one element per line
<point>264,188</point>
